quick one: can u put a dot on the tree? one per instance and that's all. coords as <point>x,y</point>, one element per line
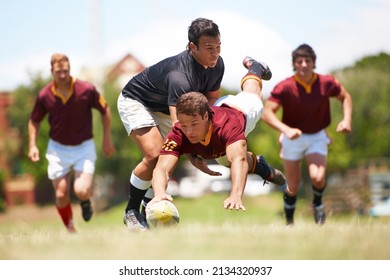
<point>369,84</point>
<point>18,114</point>
<point>23,101</point>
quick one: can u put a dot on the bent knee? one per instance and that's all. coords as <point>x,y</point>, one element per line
<point>318,182</point>
<point>152,156</point>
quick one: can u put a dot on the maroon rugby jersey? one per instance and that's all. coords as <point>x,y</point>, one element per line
<point>228,126</point>
<point>306,107</point>
<point>70,120</point>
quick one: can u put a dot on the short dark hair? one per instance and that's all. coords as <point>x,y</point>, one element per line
<point>304,50</point>
<point>201,27</point>
<point>192,104</point>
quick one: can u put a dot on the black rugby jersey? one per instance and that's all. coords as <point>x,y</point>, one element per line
<point>160,85</point>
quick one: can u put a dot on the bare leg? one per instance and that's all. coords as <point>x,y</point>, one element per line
<point>62,193</point>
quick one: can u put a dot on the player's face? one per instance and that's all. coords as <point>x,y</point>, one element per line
<point>207,52</point>
<point>61,73</point>
<point>304,66</point>
<point>194,127</point>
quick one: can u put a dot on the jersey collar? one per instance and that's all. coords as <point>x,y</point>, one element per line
<point>59,95</point>
<point>306,86</point>
<point>207,138</point>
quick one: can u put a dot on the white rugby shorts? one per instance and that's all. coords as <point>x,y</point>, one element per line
<point>63,158</point>
<point>306,144</point>
<point>135,115</point>
<point>248,103</point>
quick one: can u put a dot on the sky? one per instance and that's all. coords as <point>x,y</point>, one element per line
<point>101,32</point>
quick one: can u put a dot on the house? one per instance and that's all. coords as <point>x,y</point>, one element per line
<point>19,190</point>
<point>123,70</point>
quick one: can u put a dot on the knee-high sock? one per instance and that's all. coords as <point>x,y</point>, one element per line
<point>138,189</point>
<point>317,196</point>
<point>66,214</point>
<point>289,205</point>
<point>261,167</point>
<point>148,197</point>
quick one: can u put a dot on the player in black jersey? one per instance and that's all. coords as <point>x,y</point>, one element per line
<point>147,109</point>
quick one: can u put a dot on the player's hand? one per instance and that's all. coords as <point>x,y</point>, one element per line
<point>200,164</point>
<point>233,203</point>
<point>293,133</point>
<point>108,148</point>
<point>160,197</point>
<point>33,154</point>
<point>344,126</point>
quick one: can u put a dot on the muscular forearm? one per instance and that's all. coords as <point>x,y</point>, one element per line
<point>347,108</point>
<point>269,116</point>
<point>239,172</point>
<point>161,174</point>
<point>272,120</point>
<point>33,129</point>
<point>106,123</point>
<point>159,182</point>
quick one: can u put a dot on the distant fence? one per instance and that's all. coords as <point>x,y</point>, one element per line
<point>19,190</point>
<point>348,192</point>
<point>359,189</point>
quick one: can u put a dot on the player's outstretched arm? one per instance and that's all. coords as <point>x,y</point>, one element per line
<point>166,164</point>
<point>236,155</point>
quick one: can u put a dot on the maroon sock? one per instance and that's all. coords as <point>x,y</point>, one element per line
<point>66,214</point>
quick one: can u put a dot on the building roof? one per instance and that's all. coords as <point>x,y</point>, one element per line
<point>124,69</point>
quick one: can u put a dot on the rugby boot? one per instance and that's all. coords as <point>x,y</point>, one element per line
<point>257,68</point>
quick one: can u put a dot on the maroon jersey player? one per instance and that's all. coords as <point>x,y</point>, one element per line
<point>304,98</point>
<point>69,102</point>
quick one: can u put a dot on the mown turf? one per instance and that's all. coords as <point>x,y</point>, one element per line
<point>206,232</point>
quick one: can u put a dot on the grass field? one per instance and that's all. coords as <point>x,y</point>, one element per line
<point>206,232</point>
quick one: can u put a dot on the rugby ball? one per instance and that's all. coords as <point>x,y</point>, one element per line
<point>162,214</point>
